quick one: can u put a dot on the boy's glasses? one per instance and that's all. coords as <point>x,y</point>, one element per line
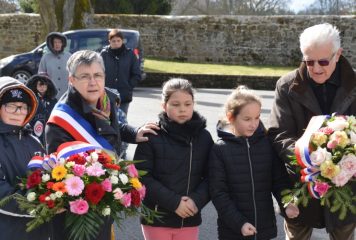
<point>321,62</point>
<point>12,108</point>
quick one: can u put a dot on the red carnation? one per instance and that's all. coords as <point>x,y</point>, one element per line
<point>112,166</point>
<point>34,179</point>
<point>94,192</point>
<point>49,185</point>
<point>135,198</point>
<point>104,158</point>
<point>50,204</point>
<point>42,197</point>
<point>78,159</point>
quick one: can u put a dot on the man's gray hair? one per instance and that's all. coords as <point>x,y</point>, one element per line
<point>319,35</point>
<point>86,57</point>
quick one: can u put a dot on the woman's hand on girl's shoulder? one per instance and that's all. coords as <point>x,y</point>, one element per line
<point>147,128</point>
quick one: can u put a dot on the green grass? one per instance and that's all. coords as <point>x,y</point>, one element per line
<point>162,66</point>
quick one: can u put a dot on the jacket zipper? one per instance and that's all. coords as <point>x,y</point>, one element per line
<point>190,170</point>
<point>253,186</point>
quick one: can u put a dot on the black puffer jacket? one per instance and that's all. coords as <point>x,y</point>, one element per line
<point>243,173</point>
<point>17,147</point>
<point>122,71</point>
<point>45,104</point>
<point>177,163</point>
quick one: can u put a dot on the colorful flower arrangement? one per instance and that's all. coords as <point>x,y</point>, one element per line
<point>88,183</point>
<point>325,157</point>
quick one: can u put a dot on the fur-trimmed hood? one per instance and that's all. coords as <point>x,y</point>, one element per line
<point>51,89</point>
<point>8,83</point>
<point>49,41</point>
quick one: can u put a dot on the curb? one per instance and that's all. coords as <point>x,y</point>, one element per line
<point>213,81</point>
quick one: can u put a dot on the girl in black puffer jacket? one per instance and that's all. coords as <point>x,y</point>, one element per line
<point>244,171</point>
<point>177,162</point>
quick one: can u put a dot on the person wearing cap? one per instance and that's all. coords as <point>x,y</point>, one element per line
<point>45,92</point>
<point>324,83</point>
<point>18,105</point>
<point>53,63</point>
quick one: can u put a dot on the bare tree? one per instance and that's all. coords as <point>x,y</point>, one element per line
<point>330,7</point>
<point>231,7</point>
<point>62,15</point>
<point>7,6</point>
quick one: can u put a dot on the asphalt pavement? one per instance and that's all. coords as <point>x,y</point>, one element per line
<point>145,107</point>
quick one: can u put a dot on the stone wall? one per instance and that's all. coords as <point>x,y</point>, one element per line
<point>19,33</point>
<point>247,40</point>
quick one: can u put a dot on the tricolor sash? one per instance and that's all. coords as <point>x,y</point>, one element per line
<point>80,129</point>
<point>309,171</point>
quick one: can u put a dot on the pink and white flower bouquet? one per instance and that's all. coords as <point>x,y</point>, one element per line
<point>325,156</point>
<point>86,182</point>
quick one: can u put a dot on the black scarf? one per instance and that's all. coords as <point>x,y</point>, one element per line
<point>186,130</point>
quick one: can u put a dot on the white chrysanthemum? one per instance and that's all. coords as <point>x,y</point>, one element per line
<point>31,196</point>
<point>114,179</point>
<point>46,177</point>
<point>94,156</point>
<point>70,164</point>
<point>123,178</point>
<point>52,196</point>
<point>59,194</point>
<point>106,211</point>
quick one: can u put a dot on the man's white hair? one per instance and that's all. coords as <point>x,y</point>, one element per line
<point>319,35</point>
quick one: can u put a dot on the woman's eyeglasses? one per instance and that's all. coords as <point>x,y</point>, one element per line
<point>321,62</point>
<point>12,108</point>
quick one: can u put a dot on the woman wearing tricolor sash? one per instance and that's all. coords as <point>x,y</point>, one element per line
<point>18,105</point>
<point>86,112</point>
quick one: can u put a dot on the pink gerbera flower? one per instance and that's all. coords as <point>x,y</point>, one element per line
<point>74,186</point>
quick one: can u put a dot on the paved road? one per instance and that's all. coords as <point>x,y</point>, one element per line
<point>209,102</point>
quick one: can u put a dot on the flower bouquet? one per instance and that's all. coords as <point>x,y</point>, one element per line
<point>325,157</point>
<point>85,181</point>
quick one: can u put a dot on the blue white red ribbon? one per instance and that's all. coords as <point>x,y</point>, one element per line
<point>309,171</point>
<point>70,148</point>
<point>35,162</point>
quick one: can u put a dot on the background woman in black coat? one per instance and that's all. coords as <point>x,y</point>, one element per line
<point>244,171</point>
